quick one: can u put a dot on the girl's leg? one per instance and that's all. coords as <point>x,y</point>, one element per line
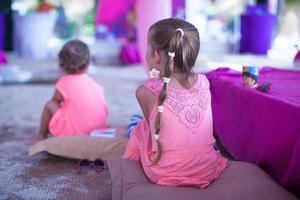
<point>49,109</point>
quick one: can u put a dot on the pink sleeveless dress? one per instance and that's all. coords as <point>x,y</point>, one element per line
<point>188,158</point>
<point>83,108</point>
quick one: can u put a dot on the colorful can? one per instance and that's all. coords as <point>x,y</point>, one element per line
<point>250,76</point>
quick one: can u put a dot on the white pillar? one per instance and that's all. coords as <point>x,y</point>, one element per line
<point>150,11</point>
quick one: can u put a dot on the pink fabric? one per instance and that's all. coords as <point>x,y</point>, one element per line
<point>83,108</point>
<point>263,128</point>
<point>186,136</point>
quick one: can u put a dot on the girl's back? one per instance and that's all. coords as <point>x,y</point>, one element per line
<point>83,105</point>
<point>186,119</point>
<point>186,136</point>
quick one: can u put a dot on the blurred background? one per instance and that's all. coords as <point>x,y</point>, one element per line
<point>37,29</point>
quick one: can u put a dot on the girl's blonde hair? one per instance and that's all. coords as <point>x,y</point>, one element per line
<point>179,37</point>
<point>74,57</point>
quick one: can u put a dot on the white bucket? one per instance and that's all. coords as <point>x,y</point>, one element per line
<point>32,32</point>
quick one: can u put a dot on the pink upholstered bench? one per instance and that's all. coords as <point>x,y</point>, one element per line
<point>240,181</point>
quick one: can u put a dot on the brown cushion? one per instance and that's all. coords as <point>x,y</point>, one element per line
<point>83,147</point>
<point>240,180</point>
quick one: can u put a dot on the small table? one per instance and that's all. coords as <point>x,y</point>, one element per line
<point>257,127</point>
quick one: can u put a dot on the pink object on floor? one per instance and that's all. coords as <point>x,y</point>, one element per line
<point>186,136</point>
<point>297,57</point>
<point>3,59</point>
<point>130,54</point>
<point>83,108</point>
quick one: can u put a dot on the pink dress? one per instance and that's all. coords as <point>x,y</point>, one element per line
<point>83,108</point>
<point>188,158</point>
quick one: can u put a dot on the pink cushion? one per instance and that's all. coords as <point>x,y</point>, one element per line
<point>240,180</point>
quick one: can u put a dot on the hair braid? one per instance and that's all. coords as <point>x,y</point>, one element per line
<point>175,42</point>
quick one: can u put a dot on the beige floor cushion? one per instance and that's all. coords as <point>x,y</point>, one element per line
<point>81,147</point>
<point>240,181</point>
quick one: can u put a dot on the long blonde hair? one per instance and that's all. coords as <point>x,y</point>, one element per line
<point>173,36</point>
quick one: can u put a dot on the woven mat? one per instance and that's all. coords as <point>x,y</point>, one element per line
<point>44,176</point>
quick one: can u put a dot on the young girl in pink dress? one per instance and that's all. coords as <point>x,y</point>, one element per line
<point>174,142</point>
<point>78,105</point>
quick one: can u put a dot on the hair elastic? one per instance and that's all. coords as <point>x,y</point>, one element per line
<point>154,73</point>
<point>181,31</point>
<point>166,80</point>
<point>156,136</point>
<point>160,109</point>
<point>171,54</point>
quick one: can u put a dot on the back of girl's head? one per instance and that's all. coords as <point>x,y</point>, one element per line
<point>74,57</point>
<point>166,35</point>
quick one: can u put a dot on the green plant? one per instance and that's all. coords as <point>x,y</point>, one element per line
<point>292,1</point>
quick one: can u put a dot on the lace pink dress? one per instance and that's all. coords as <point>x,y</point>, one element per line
<point>188,158</point>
